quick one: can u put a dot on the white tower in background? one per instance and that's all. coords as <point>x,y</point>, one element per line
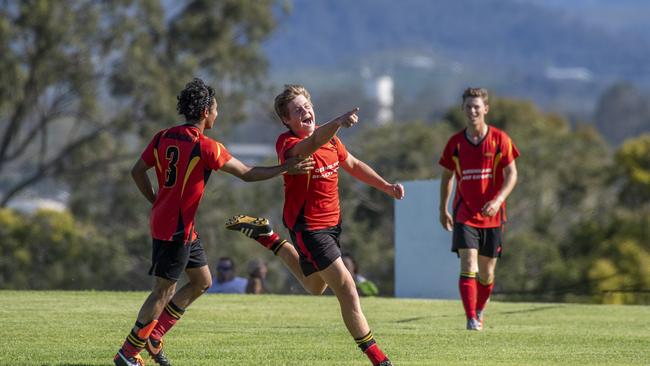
<point>384,89</point>
<point>380,90</point>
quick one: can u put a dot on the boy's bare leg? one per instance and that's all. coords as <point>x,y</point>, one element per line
<point>337,276</point>
<point>313,283</point>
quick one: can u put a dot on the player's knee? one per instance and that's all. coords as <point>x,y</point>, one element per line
<point>345,287</point>
<point>206,286</point>
<point>203,286</point>
<point>351,289</point>
<point>486,278</point>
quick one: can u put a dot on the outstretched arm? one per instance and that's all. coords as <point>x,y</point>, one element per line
<point>256,173</point>
<point>509,180</point>
<point>446,186</point>
<point>323,134</point>
<point>367,175</point>
<point>141,179</point>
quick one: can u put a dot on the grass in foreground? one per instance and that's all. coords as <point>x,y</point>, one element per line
<point>87,328</point>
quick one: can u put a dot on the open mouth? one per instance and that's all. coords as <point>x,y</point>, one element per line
<point>308,121</point>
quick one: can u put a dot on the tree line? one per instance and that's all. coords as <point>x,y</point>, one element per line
<point>578,231</point>
<point>88,82</point>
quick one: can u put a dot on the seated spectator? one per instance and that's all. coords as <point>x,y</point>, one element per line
<point>257,270</point>
<point>226,282</point>
<point>364,286</point>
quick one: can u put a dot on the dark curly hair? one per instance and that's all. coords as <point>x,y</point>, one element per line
<point>194,99</point>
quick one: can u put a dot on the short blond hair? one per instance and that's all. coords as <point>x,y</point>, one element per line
<point>290,92</point>
<point>476,93</point>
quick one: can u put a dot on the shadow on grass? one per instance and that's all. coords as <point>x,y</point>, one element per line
<point>417,318</point>
<point>522,311</point>
<point>531,310</point>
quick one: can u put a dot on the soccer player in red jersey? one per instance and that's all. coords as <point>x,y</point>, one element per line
<point>481,159</point>
<point>312,212</point>
<point>183,158</point>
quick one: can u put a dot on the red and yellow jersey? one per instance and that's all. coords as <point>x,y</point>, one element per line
<point>311,201</point>
<point>183,158</point>
<point>478,169</point>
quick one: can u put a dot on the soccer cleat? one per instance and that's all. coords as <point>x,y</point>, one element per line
<point>253,227</point>
<point>121,360</point>
<point>473,324</point>
<point>479,317</point>
<point>385,362</point>
<point>156,353</point>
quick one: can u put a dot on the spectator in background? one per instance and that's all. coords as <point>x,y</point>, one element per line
<point>257,270</point>
<point>226,282</point>
<point>364,286</point>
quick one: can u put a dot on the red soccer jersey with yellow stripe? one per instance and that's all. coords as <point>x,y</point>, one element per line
<point>183,158</point>
<point>311,201</point>
<point>478,169</point>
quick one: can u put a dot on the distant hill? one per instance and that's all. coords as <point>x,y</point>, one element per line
<point>521,48</point>
<point>619,15</point>
<point>508,32</point>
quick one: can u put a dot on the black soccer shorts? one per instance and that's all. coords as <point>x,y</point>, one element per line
<point>488,241</point>
<point>317,249</point>
<point>169,259</point>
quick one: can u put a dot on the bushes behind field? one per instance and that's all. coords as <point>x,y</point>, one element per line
<point>50,250</point>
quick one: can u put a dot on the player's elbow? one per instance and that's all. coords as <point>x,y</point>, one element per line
<point>139,169</point>
<point>247,174</point>
<point>248,177</point>
<point>137,173</point>
<point>513,176</point>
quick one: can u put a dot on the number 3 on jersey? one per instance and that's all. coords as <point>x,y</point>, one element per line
<point>171,154</point>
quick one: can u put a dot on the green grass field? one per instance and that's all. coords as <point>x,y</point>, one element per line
<point>87,328</point>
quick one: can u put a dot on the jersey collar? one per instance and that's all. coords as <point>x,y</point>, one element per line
<point>479,141</point>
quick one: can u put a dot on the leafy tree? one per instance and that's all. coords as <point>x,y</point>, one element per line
<point>53,57</point>
<point>88,82</point>
<point>563,181</point>
<point>633,159</point>
<point>616,268</point>
<point>573,238</point>
<point>620,276</point>
<point>623,111</point>
<point>80,78</point>
<point>619,259</point>
<point>50,250</point>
